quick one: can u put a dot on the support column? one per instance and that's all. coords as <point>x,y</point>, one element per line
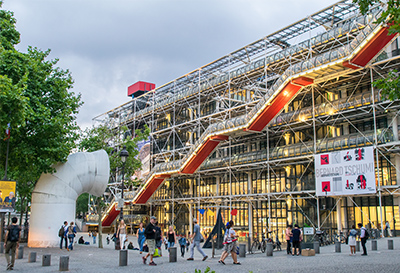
<point>217,181</point>
<point>397,165</point>
<point>395,127</point>
<point>250,209</point>
<point>339,215</point>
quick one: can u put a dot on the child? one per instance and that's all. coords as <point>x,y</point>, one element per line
<point>182,242</point>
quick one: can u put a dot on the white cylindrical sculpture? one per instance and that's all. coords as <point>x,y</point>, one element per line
<point>54,196</point>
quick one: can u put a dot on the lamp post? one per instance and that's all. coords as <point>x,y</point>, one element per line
<point>124,155</point>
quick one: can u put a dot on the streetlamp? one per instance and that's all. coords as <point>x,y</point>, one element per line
<point>124,155</point>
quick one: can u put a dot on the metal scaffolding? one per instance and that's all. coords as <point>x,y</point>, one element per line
<point>269,171</point>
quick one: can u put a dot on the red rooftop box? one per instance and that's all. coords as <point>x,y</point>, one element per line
<point>139,88</point>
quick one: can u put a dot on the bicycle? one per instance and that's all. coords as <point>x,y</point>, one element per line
<point>258,245</point>
<point>340,238</point>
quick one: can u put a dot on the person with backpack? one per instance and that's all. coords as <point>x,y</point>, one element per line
<point>150,233</point>
<point>364,237</point>
<point>11,242</point>
<point>71,231</point>
<point>61,233</point>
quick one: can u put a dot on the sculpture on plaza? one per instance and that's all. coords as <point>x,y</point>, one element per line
<point>55,194</point>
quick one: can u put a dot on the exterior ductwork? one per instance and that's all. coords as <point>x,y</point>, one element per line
<point>54,196</point>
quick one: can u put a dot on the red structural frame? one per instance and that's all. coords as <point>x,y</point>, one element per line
<point>284,96</point>
<point>112,214</point>
<point>205,150</point>
<point>373,47</point>
<point>151,187</point>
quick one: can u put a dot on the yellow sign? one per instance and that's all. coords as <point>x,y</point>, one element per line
<point>7,196</point>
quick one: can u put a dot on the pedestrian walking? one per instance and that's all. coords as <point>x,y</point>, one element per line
<point>150,233</point>
<point>188,242</point>
<point>121,233</point>
<point>387,228</point>
<point>71,231</point>
<point>352,240</point>
<point>363,237</point>
<point>171,237</point>
<point>11,242</point>
<point>196,238</point>
<point>159,240</point>
<point>141,237</point>
<point>230,245</point>
<point>182,242</point>
<point>297,238</point>
<point>289,237</point>
<point>94,235</point>
<point>61,234</point>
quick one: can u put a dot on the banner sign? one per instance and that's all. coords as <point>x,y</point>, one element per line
<point>7,196</point>
<point>347,172</point>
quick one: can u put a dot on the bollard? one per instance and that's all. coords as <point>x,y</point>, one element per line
<point>242,250</point>
<point>316,247</point>
<point>20,252</point>
<point>172,254</point>
<point>32,257</point>
<point>46,260</point>
<point>374,245</point>
<point>213,247</point>
<point>358,246</point>
<point>390,244</point>
<point>64,261</point>
<point>270,249</point>
<point>338,247</point>
<point>123,257</point>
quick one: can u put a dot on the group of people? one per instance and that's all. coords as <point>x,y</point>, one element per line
<point>67,233</point>
<point>294,236</point>
<point>152,237</point>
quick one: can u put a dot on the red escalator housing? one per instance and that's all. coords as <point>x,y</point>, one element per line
<point>150,188</point>
<point>206,149</point>
<point>284,96</point>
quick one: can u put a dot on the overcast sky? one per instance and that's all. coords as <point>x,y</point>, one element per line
<point>109,45</point>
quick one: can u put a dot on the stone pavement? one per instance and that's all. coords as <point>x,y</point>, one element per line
<point>92,259</point>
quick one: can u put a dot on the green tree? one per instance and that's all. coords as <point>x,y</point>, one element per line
<point>390,87</point>
<point>112,141</point>
<point>35,99</point>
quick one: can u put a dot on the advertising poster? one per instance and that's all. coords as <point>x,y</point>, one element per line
<point>144,157</point>
<point>347,172</point>
<point>7,196</point>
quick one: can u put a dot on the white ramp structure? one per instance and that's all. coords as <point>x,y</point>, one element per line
<point>54,196</point>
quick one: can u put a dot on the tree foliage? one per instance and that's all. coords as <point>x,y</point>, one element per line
<point>391,14</point>
<point>390,87</point>
<point>112,141</point>
<point>35,99</point>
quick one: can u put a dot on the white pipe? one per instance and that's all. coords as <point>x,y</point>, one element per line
<point>54,196</point>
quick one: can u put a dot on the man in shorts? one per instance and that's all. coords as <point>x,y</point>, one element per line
<point>150,233</point>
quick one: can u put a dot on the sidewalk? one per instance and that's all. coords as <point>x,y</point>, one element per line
<point>92,259</point>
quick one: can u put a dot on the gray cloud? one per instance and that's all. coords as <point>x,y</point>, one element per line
<point>108,45</point>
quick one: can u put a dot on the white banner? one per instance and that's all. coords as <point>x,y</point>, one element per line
<point>347,172</point>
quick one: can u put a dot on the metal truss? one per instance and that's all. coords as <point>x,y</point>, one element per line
<point>319,119</point>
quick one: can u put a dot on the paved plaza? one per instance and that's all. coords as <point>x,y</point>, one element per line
<point>92,259</point>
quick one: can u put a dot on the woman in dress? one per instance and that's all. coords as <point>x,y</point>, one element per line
<point>171,237</point>
<point>141,237</point>
<point>229,244</point>
<point>352,240</point>
<point>121,233</point>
